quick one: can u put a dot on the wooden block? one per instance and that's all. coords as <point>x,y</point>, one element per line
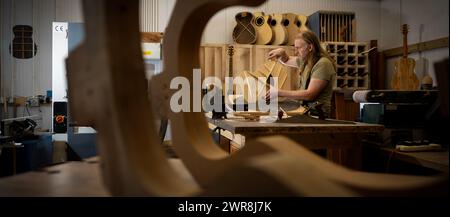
<point>151,37</point>
<point>20,100</point>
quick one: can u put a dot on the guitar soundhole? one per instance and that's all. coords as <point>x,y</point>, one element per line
<point>273,22</point>
<point>23,46</point>
<point>259,21</point>
<point>286,23</point>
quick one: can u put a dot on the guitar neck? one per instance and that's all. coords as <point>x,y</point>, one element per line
<point>230,67</point>
<point>405,46</point>
<point>405,40</point>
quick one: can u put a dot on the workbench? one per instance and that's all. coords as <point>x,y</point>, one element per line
<point>342,140</point>
<point>436,160</point>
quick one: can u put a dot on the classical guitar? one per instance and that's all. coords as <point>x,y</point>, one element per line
<point>404,77</point>
<point>264,33</point>
<point>244,32</point>
<point>280,32</point>
<point>23,46</point>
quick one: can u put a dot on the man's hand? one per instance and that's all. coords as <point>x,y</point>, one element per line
<point>271,94</point>
<point>278,53</point>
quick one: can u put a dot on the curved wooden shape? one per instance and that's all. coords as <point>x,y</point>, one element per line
<point>289,161</point>
<point>107,89</point>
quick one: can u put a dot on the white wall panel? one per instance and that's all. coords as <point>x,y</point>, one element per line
<point>68,11</point>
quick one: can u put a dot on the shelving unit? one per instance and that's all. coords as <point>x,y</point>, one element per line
<point>352,64</point>
<point>214,60</point>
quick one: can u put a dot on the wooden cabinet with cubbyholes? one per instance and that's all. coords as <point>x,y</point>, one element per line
<point>352,63</point>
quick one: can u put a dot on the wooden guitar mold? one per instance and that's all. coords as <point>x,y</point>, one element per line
<point>107,90</point>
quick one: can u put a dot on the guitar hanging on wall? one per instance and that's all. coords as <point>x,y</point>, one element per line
<point>264,33</point>
<point>404,73</point>
<point>23,46</point>
<point>280,31</point>
<point>244,32</point>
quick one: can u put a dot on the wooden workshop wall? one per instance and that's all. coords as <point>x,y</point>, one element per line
<point>432,14</point>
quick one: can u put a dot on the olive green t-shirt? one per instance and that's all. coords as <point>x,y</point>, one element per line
<point>324,70</point>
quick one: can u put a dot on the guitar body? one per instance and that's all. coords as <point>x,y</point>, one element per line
<point>22,46</point>
<point>244,32</point>
<point>302,22</point>
<point>279,30</point>
<point>291,27</point>
<point>264,33</point>
<point>404,77</point>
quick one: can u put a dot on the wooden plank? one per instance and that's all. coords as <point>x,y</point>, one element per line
<point>427,45</point>
<point>151,37</point>
<point>434,160</point>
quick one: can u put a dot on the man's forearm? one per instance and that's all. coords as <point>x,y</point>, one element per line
<point>295,94</point>
<point>289,60</point>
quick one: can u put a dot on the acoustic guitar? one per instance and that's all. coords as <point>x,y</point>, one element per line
<point>264,33</point>
<point>291,27</point>
<point>404,74</point>
<point>244,32</point>
<point>302,22</point>
<point>280,32</point>
<point>294,24</point>
<point>230,52</point>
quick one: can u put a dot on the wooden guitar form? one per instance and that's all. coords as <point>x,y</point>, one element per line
<point>404,75</point>
<point>107,90</point>
<point>302,22</point>
<point>294,24</point>
<point>264,33</point>
<point>244,32</point>
<point>280,31</point>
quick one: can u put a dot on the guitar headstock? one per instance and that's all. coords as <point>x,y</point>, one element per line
<point>230,50</point>
<point>405,29</point>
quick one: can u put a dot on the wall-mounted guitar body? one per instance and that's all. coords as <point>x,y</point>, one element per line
<point>291,27</point>
<point>244,32</point>
<point>302,22</point>
<point>264,33</point>
<point>280,32</point>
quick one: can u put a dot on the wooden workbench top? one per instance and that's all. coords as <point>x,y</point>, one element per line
<point>243,126</point>
<point>437,160</point>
